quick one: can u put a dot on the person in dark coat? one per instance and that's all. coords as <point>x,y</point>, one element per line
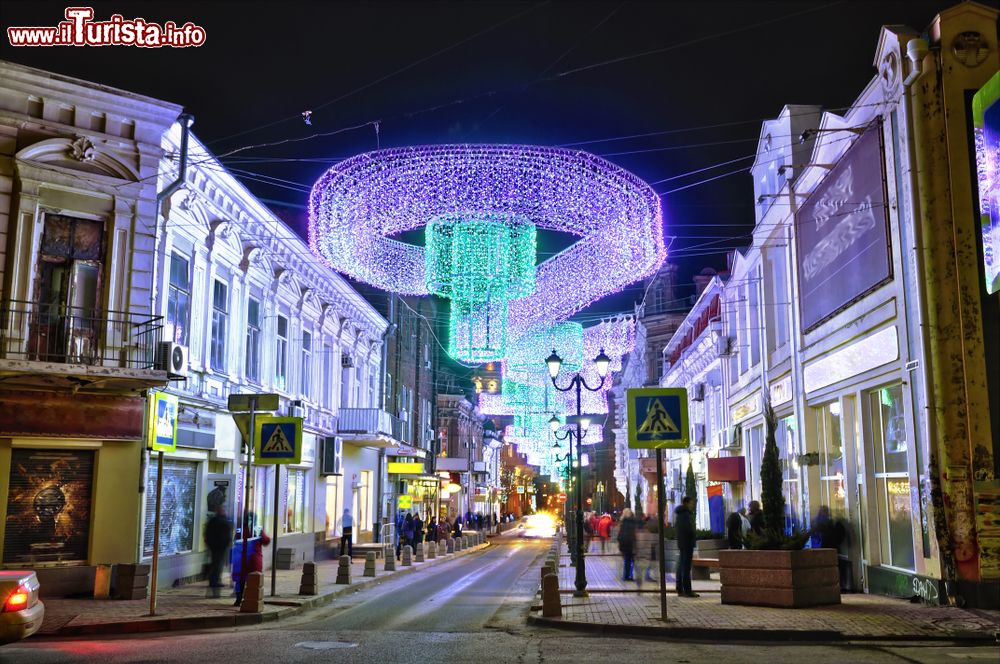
<point>684,527</point>
<point>219,539</point>
<point>432,530</point>
<point>734,529</point>
<point>406,537</point>
<point>458,527</point>
<point>626,543</point>
<point>418,530</point>
<point>756,517</point>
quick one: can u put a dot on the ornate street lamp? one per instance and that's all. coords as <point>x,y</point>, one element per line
<point>554,363</point>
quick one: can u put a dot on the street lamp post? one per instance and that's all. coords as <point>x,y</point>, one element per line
<point>578,383</point>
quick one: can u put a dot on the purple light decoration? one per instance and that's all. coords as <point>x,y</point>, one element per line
<point>359,205</point>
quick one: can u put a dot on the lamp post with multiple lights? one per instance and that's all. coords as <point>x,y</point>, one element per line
<point>554,362</point>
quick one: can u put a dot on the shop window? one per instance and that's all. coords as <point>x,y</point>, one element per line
<point>177,505</point>
<point>295,501</point>
<point>892,480</point>
<point>788,451</point>
<point>830,444</point>
<point>363,501</point>
<point>48,507</point>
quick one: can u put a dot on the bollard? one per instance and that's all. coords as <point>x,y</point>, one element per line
<point>344,571</point>
<point>418,554</point>
<point>443,548</point>
<point>546,570</point>
<point>450,546</point>
<point>407,556</point>
<point>389,556</point>
<point>309,585</point>
<point>551,605</point>
<point>431,551</point>
<point>466,541</point>
<point>253,594</point>
<point>369,564</point>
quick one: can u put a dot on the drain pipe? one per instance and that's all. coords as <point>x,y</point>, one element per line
<point>380,506</point>
<point>186,120</point>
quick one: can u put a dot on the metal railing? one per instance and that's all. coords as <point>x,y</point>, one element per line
<point>369,421</point>
<point>57,333</point>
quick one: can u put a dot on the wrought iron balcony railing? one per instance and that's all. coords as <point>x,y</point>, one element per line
<point>56,333</point>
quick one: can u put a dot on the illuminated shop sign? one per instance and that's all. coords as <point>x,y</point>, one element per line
<point>841,233</point>
<point>986,132</point>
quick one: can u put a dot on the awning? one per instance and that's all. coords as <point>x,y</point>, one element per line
<point>727,469</point>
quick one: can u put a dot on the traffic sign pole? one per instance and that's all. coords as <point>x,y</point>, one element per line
<point>156,533</point>
<point>660,508</point>
<point>274,533</point>
<point>246,494</point>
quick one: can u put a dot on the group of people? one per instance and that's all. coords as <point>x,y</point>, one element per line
<point>742,522</point>
<point>219,540</point>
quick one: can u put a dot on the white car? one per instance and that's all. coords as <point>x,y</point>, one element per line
<point>21,612</point>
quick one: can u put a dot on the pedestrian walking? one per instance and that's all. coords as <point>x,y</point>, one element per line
<point>255,561</point>
<point>347,535</point>
<point>418,529</point>
<point>756,517</point>
<point>604,526</point>
<point>406,536</point>
<point>684,527</point>
<point>219,539</point>
<point>458,527</point>
<point>735,529</point>
<point>626,543</point>
<point>432,530</point>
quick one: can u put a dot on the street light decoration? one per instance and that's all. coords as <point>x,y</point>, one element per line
<point>358,208</point>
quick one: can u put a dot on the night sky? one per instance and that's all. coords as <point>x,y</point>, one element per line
<point>689,81</point>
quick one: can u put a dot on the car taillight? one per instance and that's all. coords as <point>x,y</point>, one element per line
<point>18,599</point>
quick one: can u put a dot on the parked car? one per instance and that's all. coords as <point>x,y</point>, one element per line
<point>21,612</point>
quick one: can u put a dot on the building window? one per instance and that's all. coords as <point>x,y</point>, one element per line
<point>372,387</point>
<point>327,397</point>
<point>253,341</point>
<point>892,480</point>
<point>281,354</point>
<point>358,385</point>
<point>179,298</point>
<point>295,501</point>
<point>830,444</point>
<point>306,364</point>
<point>387,400</point>
<point>220,318</point>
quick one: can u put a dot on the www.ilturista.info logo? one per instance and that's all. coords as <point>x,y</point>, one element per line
<point>79,29</point>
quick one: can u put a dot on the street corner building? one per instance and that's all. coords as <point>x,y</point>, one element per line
<point>867,312</point>
<point>133,265</point>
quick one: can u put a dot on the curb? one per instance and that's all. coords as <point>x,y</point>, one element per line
<point>240,619</point>
<point>681,633</point>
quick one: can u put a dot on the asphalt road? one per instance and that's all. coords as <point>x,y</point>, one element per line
<point>468,610</point>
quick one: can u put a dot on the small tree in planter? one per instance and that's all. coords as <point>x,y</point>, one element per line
<point>776,570</point>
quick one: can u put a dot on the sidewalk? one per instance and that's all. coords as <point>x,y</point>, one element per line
<point>619,607</point>
<point>187,607</point>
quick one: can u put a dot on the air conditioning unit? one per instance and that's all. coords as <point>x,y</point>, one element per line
<point>296,409</point>
<point>332,458</point>
<point>724,346</point>
<point>699,435</point>
<point>698,392</point>
<point>404,415</point>
<point>428,365</point>
<point>346,361</point>
<point>172,358</point>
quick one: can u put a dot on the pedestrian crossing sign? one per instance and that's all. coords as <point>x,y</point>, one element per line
<point>657,418</point>
<point>277,440</point>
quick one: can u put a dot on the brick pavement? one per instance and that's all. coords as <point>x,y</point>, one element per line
<point>189,607</point>
<point>615,607</point>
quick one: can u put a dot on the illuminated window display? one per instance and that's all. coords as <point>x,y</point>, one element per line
<point>892,480</point>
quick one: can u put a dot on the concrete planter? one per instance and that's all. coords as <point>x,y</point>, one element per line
<point>709,548</point>
<point>788,579</point>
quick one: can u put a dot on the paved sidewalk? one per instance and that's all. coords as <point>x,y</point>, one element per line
<point>620,607</point>
<point>189,607</point>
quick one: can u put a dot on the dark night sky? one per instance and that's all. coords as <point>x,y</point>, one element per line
<point>514,76</point>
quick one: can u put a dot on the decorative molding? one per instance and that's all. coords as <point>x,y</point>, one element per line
<point>82,149</point>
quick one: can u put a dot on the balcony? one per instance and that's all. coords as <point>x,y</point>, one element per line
<point>53,346</point>
<point>370,427</point>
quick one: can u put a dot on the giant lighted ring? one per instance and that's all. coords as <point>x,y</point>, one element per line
<point>358,207</point>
